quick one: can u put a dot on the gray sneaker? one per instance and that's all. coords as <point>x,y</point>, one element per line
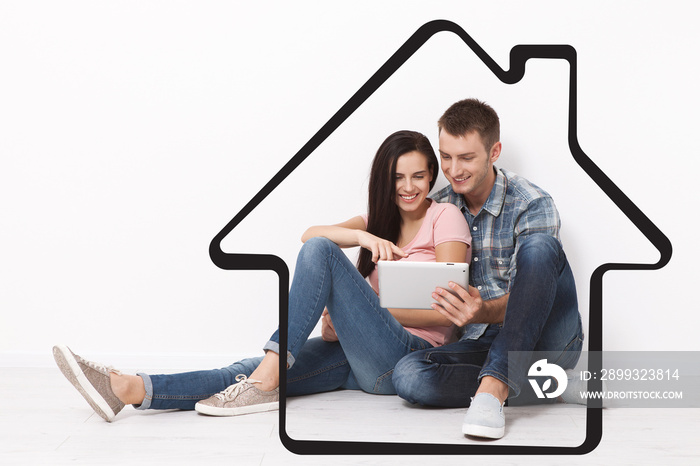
<point>484,417</point>
<point>240,398</point>
<point>91,380</point>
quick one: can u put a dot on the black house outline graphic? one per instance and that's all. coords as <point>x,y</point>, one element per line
<point>518,57</point>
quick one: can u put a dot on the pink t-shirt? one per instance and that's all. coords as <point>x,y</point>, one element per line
<point>442,223</point>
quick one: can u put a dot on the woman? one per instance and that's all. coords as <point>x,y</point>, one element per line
<point>361,343</point>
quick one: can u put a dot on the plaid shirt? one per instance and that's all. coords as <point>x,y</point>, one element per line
<point>515,208</point>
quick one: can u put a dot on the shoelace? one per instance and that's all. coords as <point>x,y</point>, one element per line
<point>233,391</point>
<point>101,368</point>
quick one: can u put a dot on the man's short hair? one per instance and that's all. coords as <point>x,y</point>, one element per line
<point>470,115</point>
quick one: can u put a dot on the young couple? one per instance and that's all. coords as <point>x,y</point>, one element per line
<point>493,218</point>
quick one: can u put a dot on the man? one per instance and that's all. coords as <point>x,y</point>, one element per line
<point>521,297</point>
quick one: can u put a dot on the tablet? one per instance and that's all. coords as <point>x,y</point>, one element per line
<point>410,285</point>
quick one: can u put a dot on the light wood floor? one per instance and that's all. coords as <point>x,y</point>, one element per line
<point>43,420</point>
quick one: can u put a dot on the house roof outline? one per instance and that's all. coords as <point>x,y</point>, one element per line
<point>519,55</point>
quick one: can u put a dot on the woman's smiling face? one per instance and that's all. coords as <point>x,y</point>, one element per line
<point>413,179</point>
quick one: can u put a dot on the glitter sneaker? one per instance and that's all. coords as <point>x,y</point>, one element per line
<point>91,380</point>
<point>240,398</point>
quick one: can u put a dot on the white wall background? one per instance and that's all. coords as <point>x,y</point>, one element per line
<point>132,132</point>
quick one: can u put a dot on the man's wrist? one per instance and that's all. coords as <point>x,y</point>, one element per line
<point>493,311</point>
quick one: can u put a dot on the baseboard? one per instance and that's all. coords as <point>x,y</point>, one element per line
<point>131,362</point>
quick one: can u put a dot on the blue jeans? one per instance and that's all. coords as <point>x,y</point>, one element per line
<point>371,340</point>
<point>321,366</point>
<point>542,315</point>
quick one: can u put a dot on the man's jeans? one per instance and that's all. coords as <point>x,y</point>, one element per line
<point>371,340</point>
<point>541,315</point>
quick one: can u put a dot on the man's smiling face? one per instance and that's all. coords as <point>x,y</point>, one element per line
<point>467,165</point>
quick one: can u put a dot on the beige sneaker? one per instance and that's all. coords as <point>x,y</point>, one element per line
<point>91,380</point>
<point>240,398</point>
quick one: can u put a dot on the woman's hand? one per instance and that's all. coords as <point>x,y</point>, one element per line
<point>381,249</point>
<point>327,329</point>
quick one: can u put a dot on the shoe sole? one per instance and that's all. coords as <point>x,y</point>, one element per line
<point>475,430</point>
<point>71,370</point>
<point>218,411</point>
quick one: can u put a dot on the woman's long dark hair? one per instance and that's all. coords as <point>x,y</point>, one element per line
<point>384,219</point>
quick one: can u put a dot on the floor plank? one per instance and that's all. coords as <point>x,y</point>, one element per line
<point>43,420</point>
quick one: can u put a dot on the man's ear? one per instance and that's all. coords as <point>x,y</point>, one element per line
<point>495,152</point>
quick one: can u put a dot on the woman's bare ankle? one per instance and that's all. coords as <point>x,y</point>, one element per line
<point>128,388</point>
<point>267,373</point>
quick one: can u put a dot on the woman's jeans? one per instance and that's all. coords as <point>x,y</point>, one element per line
<point>371,341</point>
<point>541,315</point>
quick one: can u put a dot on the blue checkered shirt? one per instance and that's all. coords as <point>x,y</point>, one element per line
<point>514,209</point>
